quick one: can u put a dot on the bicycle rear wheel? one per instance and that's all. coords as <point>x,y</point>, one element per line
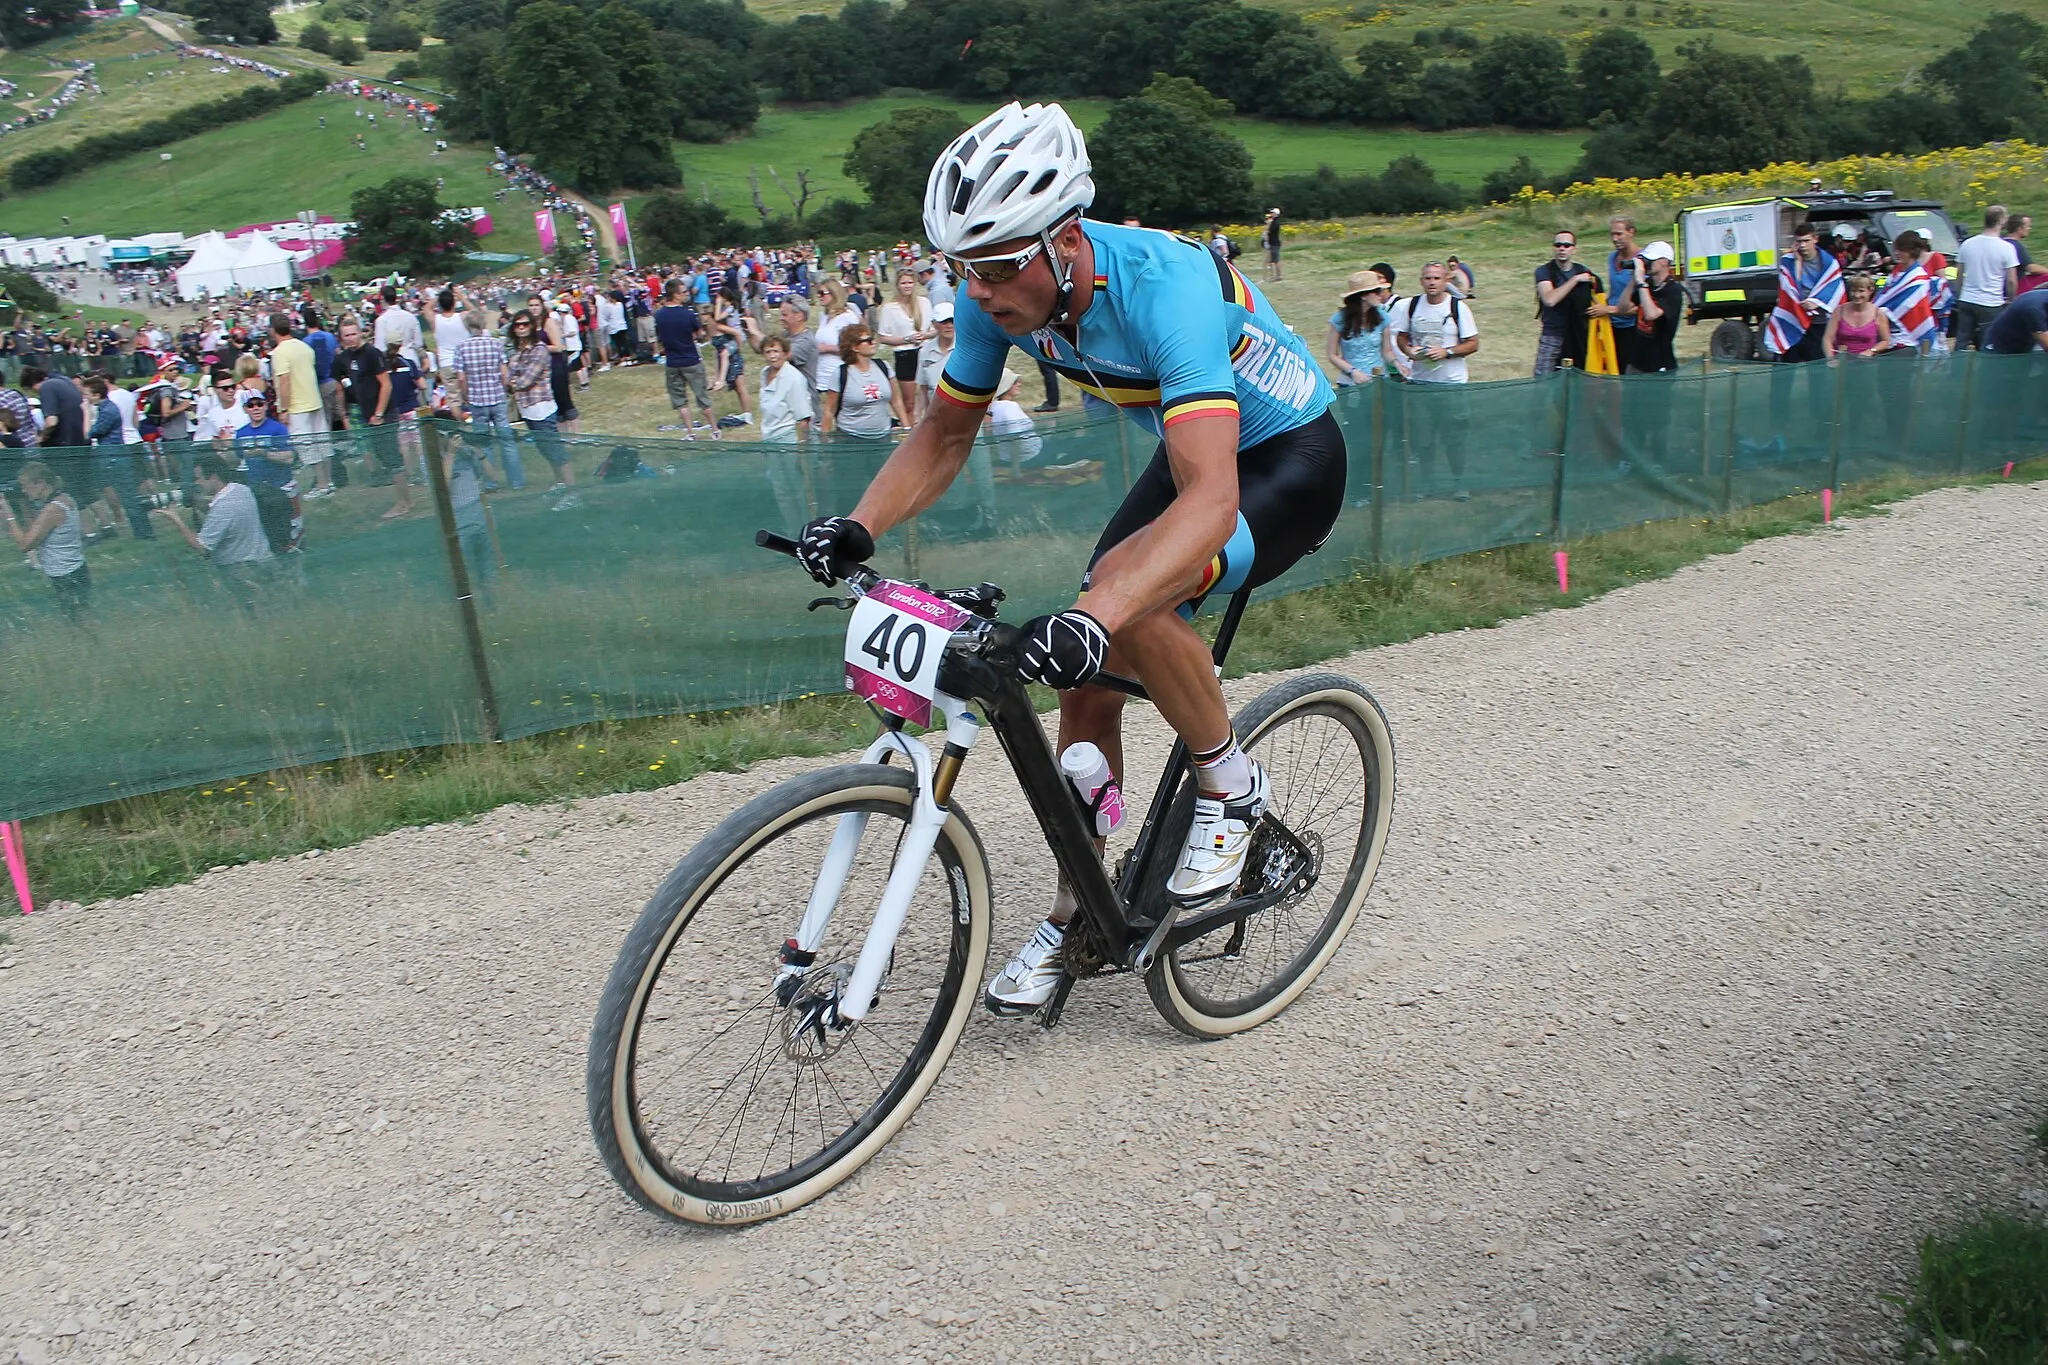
<point>1329,755</point>
<point>717,1098</point>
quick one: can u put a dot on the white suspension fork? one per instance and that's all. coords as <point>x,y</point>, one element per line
<point>927,819</point>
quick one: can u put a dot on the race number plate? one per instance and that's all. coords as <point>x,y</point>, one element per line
<point>893,644</point>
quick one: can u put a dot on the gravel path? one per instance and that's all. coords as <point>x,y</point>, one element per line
<point>1705,970</point>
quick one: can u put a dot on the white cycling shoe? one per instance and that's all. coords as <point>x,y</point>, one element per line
<point>1217,842</point>
<point>1031,977</point>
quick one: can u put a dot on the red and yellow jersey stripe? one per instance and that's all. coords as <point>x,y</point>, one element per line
<point>953,391</point>
<point>1192,406</point>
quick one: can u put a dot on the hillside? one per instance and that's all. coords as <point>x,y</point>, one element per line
<point>267,168</point>
<point>1865,47</point>
<point>790,139</point>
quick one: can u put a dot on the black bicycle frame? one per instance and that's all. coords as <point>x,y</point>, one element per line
<point>994,684</point>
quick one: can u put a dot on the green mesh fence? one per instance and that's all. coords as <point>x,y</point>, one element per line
<point>646,596</point>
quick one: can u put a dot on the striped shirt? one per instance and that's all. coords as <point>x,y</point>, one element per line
<point>12,400</point>
<point>481,359</point>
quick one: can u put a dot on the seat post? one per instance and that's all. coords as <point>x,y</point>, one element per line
<point>1227,632</point>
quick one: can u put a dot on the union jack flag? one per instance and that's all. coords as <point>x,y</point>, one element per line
<point>1820,281</point>
<point>1911,300</point>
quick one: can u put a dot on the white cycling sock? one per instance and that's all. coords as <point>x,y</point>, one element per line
<point>1224,771</point>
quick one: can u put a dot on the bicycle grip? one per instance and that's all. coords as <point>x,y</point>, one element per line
<point>782,545</point>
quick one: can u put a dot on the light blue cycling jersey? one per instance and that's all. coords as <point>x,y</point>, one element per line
<point>1171,334</point>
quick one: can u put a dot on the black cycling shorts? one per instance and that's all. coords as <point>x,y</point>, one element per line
<point>1290,489</point>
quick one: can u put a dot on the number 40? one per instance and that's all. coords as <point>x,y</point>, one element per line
<point>910,640</point>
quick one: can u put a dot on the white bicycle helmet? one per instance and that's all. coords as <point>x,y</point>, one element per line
<point>1016,173</point>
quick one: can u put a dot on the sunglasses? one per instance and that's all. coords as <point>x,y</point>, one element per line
<point>995,269</point>
<point>1564,243</point>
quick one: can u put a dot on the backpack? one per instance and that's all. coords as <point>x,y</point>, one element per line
<point>274,511</point>
<point>620,464</point>
<point>1231,250</point>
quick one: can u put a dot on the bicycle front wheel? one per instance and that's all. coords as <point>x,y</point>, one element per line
<point>720,1094</point>
<point>1329,756</point>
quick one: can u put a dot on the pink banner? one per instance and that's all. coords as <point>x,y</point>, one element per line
<point>544,224</point>
<point>619,231</point>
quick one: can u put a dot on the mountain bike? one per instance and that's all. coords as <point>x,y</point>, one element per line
<point>794,988</point>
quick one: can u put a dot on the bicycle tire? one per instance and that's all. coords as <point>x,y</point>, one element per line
<point>1181,994</point>
<point>619,1112</point>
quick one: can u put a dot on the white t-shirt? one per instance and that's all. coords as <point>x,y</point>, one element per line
<point>611,315</point>
<point>1429,324</point>
<point>124,399</point>
<point>931,364</point>
<point>827,377</point>
<point>1985,258</point>
<point>449,332</point>
<point>898,321</point>
<point>396,324</point>
<point>785,401</point>
<point>1016,435</point>
<point>210,419</point>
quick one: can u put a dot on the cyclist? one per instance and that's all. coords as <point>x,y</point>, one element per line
<point>1248,477</point>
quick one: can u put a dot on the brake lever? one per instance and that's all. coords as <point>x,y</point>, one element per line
<point>842,603</point>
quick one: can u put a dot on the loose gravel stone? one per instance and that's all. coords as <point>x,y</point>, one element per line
<point>1705,972</point>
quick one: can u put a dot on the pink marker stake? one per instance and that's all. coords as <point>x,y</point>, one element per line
<point>17,863</point>
<point>1564,571</point>
<point>1827,504</point>
<point>2008,469</point>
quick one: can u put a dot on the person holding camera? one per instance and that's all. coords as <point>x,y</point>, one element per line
<point>53,537</point>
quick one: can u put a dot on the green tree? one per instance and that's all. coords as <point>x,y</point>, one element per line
<point>1409,185</point>
<point>1504,184</point>
<point>678,225</point>
<point>1389,80</point>
<point>388,33</point>
<point>399,223</point>
<point>28,292</point>
<point>346,50</point>
<point>1164,165</point>
<point>1721,112</point>
<point>813,61</point>
<point>1995,80</point>
<point>1186,94</point>
<point>892,159</point>
<point>22,23</point>
<point>1301,77</point>
<point>242,21</point>
<point>453,18</point>
<point>705,103</point>
<point>1527,80</point>
<point>585,95</point>
<point>1617,75</point>
<point>316,38</point>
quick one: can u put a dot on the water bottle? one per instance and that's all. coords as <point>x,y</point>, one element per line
<point>1101,797</point>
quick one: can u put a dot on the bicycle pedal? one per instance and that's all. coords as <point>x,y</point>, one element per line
<point>1049,1013</point>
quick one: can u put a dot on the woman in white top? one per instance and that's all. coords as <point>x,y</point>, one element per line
<point>52,537</point>
<point>867,397</point>
<point>1016,435</point>
<point>835,316</point>
<point>903,323</point>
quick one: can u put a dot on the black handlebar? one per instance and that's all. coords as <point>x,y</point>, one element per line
<point>782,545</point>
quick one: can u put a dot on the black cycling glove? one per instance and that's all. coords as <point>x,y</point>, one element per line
<point>1063,651</point>
<point>832,545</point>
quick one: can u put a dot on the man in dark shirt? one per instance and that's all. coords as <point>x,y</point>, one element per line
<point>366,386</point>
<point>678,328</point>
<point>1659,302</point>
<point>63,407</point>
<point>1563,289</point>
<point>2021,326</point>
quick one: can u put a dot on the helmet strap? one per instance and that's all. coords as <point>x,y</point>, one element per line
<point>1063,276</point>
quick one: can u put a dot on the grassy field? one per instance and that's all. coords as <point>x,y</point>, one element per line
<point>1864,46</point>
<point>265,169</point>
<point>138,81</point>
<point>817,139</point>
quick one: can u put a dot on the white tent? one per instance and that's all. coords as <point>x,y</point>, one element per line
<point>219,265</point>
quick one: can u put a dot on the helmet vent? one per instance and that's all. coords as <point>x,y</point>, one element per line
<point>1044,181</point>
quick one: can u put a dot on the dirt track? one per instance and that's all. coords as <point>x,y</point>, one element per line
<point>1705,970</point>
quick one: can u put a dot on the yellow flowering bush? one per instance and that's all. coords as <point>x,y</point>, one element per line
<point>1976,175</point>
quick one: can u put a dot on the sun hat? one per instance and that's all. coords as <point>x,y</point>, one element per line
<point>1362,282</point>
<point>1006,383</point>
<point>943,313</point>
<point>1657,251</point>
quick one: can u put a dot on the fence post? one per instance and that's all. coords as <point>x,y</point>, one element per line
<point>1835,431</point>
<point>1376,547</point>
<point>1570,379</point>
<point>458,571</point>
<point>1969,360</point>
<point>1728,447</point>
